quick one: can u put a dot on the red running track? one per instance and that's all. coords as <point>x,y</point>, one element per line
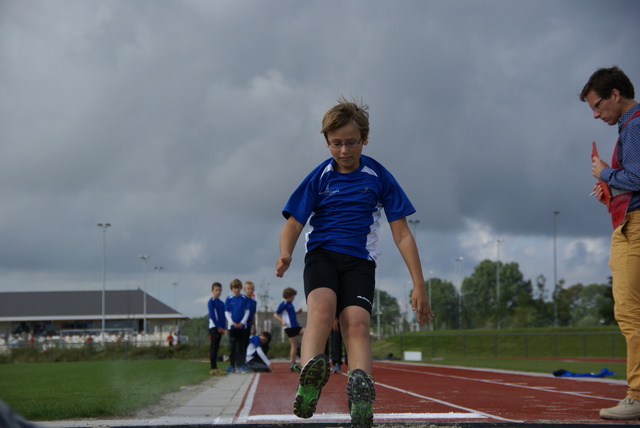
<point>412,393</point>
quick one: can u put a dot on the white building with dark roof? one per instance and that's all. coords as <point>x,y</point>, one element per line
<point>79,313</point>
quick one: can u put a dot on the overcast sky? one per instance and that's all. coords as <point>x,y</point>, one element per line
<point>186,125</point>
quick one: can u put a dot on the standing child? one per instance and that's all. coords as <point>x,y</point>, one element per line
<point>252,305</point>
<point>257,360</point>
<point>236,312</point>
<point>217,326</point>
<point>286,314</point>
<point>342,199</point>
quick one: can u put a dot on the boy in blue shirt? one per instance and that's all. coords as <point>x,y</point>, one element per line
<point>256,359</point>
<point>286,314</point>
<point>217,326</point>
<point>249,293</point>
<point>342,200</point>
<point>236,313</point>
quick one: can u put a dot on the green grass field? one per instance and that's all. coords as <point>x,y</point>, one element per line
<point>54,391</point>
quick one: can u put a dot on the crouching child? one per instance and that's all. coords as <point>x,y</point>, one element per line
<point>257,360</point>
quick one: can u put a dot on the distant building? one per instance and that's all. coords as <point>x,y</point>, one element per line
<point>79,313</point>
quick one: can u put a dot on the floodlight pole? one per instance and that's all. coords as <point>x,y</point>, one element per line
<point>459,280</point>
<point>144,297</point>
<point>498,241</point>
<point>555,268</point>
<point>415,224</point>
<point>104,227</point>
<point>158,269</point>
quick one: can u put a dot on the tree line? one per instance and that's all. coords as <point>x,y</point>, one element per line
<point>496,295</point>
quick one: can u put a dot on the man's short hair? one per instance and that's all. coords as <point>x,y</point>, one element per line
<point>605,80</point>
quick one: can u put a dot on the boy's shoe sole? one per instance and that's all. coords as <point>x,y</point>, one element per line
<point>361,395</point>
<point>313,377</point>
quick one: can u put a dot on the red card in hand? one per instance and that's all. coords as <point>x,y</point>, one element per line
<point>605,189</point>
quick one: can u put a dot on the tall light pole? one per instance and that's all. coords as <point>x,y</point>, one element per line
<point>157,269</point>
<point>414,224</point>
<point>459,280</point>
<point>429,296</point>
<point>498,241</point>
<point>555,268</point>
<point>144,297</point>
<point>104,227</point>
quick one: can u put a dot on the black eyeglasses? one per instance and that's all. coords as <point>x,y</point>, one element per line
<point>348,144</point>
<point>596,106</point>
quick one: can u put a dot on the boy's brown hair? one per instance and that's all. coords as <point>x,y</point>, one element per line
<point>215,284</point>
<point>344,113</point>
<point>288,292</point>
<point>236,283</point>
<point>266,335</point>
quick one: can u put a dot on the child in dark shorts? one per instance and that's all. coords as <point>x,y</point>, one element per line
<point>342,200</point>
<point>286,314</point>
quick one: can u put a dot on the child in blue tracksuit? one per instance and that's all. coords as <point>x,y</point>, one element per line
<point>252,305</point>
<point>286,314</point>
<point>236,313</point>
<point>256,359</point>
<point>217,326</point>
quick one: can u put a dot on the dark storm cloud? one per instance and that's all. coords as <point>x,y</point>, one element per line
<point>187,124</point>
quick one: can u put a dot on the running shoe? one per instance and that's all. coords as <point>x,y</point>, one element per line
<point>626,409</point>
<point>361,395</point>
<point>336,369</point>
<point>231,369</point>
<point>243,369</point>
<point>297,368</point>
<point>313,377</point>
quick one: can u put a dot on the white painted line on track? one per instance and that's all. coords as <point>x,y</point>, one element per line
<point>248,402</point>
<point>510,384</point>
<point>377,417</point>
<point>435,400</point>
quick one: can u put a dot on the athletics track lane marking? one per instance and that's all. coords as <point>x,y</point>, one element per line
<point>511,384</point>
<point>244,417</point>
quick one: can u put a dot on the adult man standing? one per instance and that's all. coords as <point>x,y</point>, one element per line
<point>610,94</point>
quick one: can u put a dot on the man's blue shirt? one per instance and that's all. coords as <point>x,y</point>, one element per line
<point>628,156</point>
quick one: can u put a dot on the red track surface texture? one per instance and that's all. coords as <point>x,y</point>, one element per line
<point>423,393</point>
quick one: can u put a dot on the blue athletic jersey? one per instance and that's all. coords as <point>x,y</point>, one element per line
<point>236,307</point>
<point>344,210</point>
<point>252,305</point>
<point>288,314</point>
<point>216,314</point>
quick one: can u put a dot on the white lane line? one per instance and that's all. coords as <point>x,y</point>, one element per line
<point>511,384</point>
<point>424,397</point>
<point>377,417</point>
<point>248,403</point>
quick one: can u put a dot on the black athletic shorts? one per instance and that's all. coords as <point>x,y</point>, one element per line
<point>352,279</point>
<point>292,331</point>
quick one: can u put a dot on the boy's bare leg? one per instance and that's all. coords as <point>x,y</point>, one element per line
<point>293,351</point>
<point>355,324</point>
<point>321,305</point>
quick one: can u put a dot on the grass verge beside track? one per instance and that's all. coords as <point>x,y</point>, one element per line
<point>93,389</point>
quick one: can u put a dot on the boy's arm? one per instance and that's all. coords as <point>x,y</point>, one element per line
<point>407,246</point>
<point>227,315</point>
<point>288,238</point>
<point>279,318</point>
<point>245,317</point>
<point>262,355</point>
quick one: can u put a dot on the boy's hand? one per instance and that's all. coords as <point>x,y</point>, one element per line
<point>420,305</point>
<point>282,264</point>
